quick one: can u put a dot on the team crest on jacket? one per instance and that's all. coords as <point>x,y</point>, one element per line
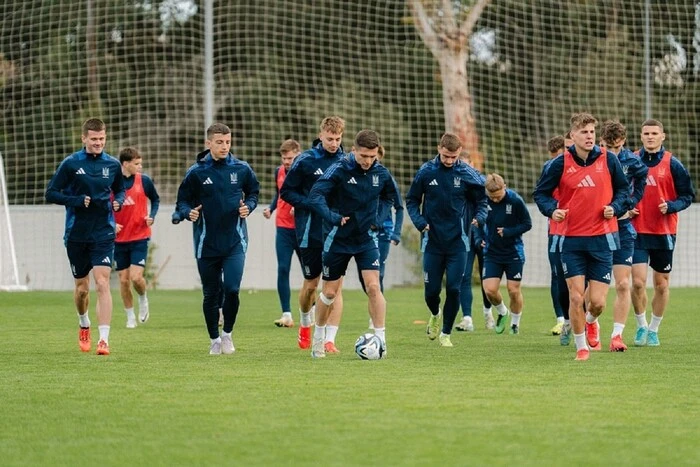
<point>375,180</point>
<point>457,182</point>
<point>234,178</point>
<point>105,172</point>
<point>509,209</point>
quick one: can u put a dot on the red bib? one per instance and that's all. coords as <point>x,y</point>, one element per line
<point>284,217</point>
<point>132,215</point>
<point>660,188</point>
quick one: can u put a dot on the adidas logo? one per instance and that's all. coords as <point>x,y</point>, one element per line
<point>107,260</point>
<point>433,183</point>
<point>586,182</point>
<point>80,171</point>
<point>352,181</point>
<point>129,201</point>
<point>667,268</point>
<point>207,182</point>
<point>606,277</point>
<point>376,263</point>
<point>142,262</point>
<point>318,171</point>
<point>571,170</point>
<point>651,181</point>
<point>517,276</point>
<point>628,260</point>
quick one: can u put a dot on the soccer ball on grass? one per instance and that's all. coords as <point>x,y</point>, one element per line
<point>369,347</point>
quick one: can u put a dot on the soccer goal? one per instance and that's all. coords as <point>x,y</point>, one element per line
<point>9,274</point>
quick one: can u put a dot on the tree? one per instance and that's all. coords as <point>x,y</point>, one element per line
<point>448,41</point>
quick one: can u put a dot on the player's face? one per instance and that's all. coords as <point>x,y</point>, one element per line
<point>132,167</point>
<point>330,141</point>
<point>94,141</point>
<point>287,159</point>
<point>219,145</point>
<point>584,138</point>
<point>365,157</point>
<point>448,158</point>
<point>652,138</point>
<point>615,147</point>
<point>496,196</point>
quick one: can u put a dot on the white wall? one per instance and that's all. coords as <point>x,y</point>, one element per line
<point>43,265</point>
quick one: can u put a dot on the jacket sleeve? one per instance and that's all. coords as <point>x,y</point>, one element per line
<point>293,187</point>
<point>620,186</point>
<point>414,199</point>
<point>58,183</point>
<point>186,198</point>
<point>318,198</point>
<point>547,183</point>
<point>523,216</point>
<point>395,196</point>
<point>639,178</point>
<point>273,203</point>
<point>685,192</point>
<point>118,187</point>
<point>149,189</point>
<point>251,189</point>
<point>477,195</point>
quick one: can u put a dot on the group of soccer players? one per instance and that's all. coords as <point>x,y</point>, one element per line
<point>611,213</point>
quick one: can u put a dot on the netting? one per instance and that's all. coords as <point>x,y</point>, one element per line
<point>514,73</point>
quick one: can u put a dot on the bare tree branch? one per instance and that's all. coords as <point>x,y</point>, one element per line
<point>422,23</point>
<point>473,16</point>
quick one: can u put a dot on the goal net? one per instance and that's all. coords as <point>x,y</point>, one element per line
<point>519,70</point>
<point>9,273</point>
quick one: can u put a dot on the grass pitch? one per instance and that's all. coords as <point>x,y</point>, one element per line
<point>160,399</point>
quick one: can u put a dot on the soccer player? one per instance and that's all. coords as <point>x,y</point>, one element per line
<point>669,190</point>
<point>304,172</point>
<point>592,192</point>
<point>613,136</point>
<point>285,237</point>
<point>219,192</point>
<point>556,146</point>
<point>388,232</point>
<point>508,219</point>
<point>346,197</point>
<point>85,183</point>
<point>445,199</point>
<point>133,228</point>
<point>466,295</point>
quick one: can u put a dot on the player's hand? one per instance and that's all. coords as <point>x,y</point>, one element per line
<point>243,210</point>
<point>475,222</point>
<point>344,220</point>
<point>266,213</point>
<point>559,215</point>
<point>118,228</point>
<point>633,212</point>
<point>427,227</point>
<point>86,201</point>
<point>149,221</point>
<point>116,206</point>
<point>194,213</point>
<point>394,242</point>
<point>499,231</point>
<point>663,207</point>
<point>608,212</point>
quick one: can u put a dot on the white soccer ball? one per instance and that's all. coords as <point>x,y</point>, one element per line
<point>369,347</point>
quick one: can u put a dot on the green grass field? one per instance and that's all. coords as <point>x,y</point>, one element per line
<point>160,399</point>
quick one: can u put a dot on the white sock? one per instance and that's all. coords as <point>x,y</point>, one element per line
<point>590,319</point>
<point>84,320</point>
<point>331,331</point>
<point>560,320</point>
<point>567,322</point>
<point>487,312</point>
<point>617,329</point>
<point>655,323</point>
<point>104,332</point>
<point>287,314</point>
<point>502,309</point>
<point>319,333</point>
<point>130,312</point>
<point>218,339</point>
<point>379,332</point>
<point>641,320</point>
<point>143,299</point>
<point>515,319</point>
<point>305,319</point>
<point>580,340</point>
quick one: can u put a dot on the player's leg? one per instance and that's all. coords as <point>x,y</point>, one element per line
<point>102,256</point>
<point>553,257</point>
<point>334,317</point>
<point>232,267</point>
<point>514,275</point>
<point>122,262</point>
<point>80,265</point>
<point>334,267</point>
<point>285,243</point>
<point>466,296</point>
<point>640,269</point>
<point>311,265</point>
<point>384,245</point>
<point>139,253</point>
<point>433,270</point>
<point>574,265</point>
<point>622,273</point>
<point>210,275</point>
<point>661,262</point>
<point>489,322</point>
<point>369,263</point>
<point>598,273</point>
<point>491,282</point>
<point>454,271</point>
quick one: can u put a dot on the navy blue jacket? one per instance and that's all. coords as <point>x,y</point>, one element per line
<point>446,199</point>
<point>97,176</point>
<point>346,190</point>
<point>510,213</point>
<point>636,173</point>
<point>685,193</point>
<point>219,186</point>
<point>391,225</point>
<point>306,169</point>
<point>547,204</point>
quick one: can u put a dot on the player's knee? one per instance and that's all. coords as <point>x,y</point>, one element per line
<point>327,297</point>
<point>372,289</point>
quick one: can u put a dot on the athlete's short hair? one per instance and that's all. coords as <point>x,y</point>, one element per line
<point>653,122</point>
<point>368,139</point>
<point>217,129</point>
<point>290,145</point>
<point>93,124</point>
<point>451,142</point>
<point>128,154</point>
<point>579,120</point>
<point>494,183</point>
<point>612,131</point>
<point>555,145</point>
<point>333,124</point>
<point>380,152</point>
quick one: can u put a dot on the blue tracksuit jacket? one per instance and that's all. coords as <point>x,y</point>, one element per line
<point>80,175</point>
<point>219,186</point>
<point>447,199</point>
<point>510,213</point>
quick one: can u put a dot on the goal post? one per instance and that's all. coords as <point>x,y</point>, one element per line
<point>9,273</point>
